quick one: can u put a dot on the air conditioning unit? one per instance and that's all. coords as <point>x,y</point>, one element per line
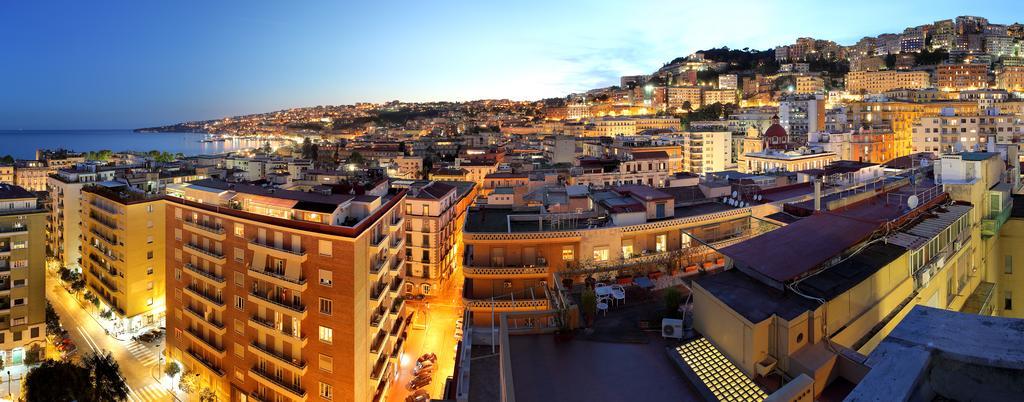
<point>672,328</point>
<point>508,284</point>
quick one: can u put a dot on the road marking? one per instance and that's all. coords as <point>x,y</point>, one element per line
<point>153,392</point>
<point>142,353</point>
<point>88,340</point>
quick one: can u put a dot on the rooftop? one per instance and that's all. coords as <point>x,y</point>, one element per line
<point>936,354</point>
<point>12,192</point>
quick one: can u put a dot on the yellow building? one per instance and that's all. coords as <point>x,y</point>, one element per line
<point>900,117</point>
<point>123,253</point>
<point>22,273</point>
<point>874,82</point>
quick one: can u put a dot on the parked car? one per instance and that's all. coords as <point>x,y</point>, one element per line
<point>416,371</point>
<point>458,324</point>
<point>419,382</point>
<point>427,356</point>
<point>425,363</point>
<point>420,395</point>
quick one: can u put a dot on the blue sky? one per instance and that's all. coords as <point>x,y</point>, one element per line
<point>124,64</point>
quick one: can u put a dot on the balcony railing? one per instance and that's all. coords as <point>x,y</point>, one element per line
<point>263,244</point>
<point>378,341</point>
<point>101,236</point>
<point>209,275</point>
<point>202,251</point>
<point>202,339</point>
<point>396,285</point>
<point>378,368</point>
<point>296,391</point>
<point>377,290</point>
<point>291,361</point>
<point>265,296</point>
<point>298,281</point>
<point>924,274</point>
<point>538,271</point>
<point>377,317</point>
<point>398,347</point>
<point>271,325</point>
<point>12,230</point>
<point>526,304</point>
<point>210,365</point>
<point>218,230</point>
<point>396,327</point>
<point>204,317</point>
<point>217,300</point>
<point>991,224</point>
<point>104,208</point>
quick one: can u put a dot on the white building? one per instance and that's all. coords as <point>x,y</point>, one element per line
<point>707,151</point>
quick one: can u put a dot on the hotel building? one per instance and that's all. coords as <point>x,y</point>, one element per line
<point>123,252</point>
<point>278,295</point>
<point>22,273</point>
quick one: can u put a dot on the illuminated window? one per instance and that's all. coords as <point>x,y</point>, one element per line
<point>567,253</point>
<point>326,335</point>
<point>601,254</point>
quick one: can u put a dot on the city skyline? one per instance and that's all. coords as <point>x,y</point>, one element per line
<point>129,65</point>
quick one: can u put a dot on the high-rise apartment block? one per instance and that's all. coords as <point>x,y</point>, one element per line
<point>22,273</point>
<point>279,295</point>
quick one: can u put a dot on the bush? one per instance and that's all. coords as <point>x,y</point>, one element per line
<point>588,302</point>
<point>672,301</point>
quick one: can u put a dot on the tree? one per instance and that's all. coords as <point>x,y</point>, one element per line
<point>172,369</point>
<point>7,160</point>
<point>188,384</point>
<point>78,285</point>
<point>107,382</point>
<point>34,355</point>
<point>52,320</point>
<point>74,382</point>
<point>356,158</point>
<point>207,395</point>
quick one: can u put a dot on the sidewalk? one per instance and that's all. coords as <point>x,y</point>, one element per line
<point>16,374</point>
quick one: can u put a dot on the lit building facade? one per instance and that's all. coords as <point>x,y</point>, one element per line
<point>22,273</point>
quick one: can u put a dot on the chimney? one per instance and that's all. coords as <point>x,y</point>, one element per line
<point>817,194</point>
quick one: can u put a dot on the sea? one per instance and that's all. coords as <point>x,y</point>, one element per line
<point>22,144</point>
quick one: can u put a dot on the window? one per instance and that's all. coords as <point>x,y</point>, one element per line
<point>149,208</point>
<point>149,270</point>
<point>177,213</point>
<point>326,363</point>
<point>326,335</point>
<point>567,253</point>
<point>239,230</point>
<point>326,278</point>
<point>149,239</point>
<point>240,303</point>
<point>601,254</point>
<point>326,306</point>
<point>177,274</point>
<point>34,332</point>
<point>149,255</point>
<point>1008,264</point>
<point>661,243</point>
<point>149,301</point>
<point>1007,300</point>
<point>19,301</point>
<point>149,224</point>
<point>177,292</point>
<point>239,254</point>
<point>239,326</point>
<point>239,350</point>
<point>239,279</point>
<point>326,391</point>
<point>177,234</point>
<point>326,248</point>
<point>18,283</point>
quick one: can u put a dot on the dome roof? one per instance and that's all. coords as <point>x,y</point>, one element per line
<point>775,130</point>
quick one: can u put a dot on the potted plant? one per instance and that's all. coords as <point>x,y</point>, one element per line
<point>588,303</point>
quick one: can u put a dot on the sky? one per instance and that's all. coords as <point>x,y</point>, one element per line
<point>125,64</point>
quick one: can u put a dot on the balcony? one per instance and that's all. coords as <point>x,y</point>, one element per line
<point>539,271</point>
<point>100,207</point>
<point>214,257</point>
<point>111,241</point>
<point>377,317</point>
<point>396,285</point>
<point>212,231</point>
<point>991,224</point>
<point>396,224</point>
<point>208,277</point>
<point>378,342</point>
<point>206,363</point>
<point>206,319</point>
<point>273,328</point>
<point>397,349</point>
<point>217,301</point>
<point>209,345</point>
<point>279,279</point>
<point>397,244</point>
<point>396,306</point>
<point>275,251</point>
<point>294,364</point>
<point>378,368</point>
<point>376,241</point>
<point>268,300</point>
<point>378,266</point>
<point>506,305</point>
<point>278,384</point>
<point>377,290</point>
<point>103,221</point>
<point>13,231</point>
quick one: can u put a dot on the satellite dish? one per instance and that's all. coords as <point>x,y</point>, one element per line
<point>734,194</point>
<point>912,201</point>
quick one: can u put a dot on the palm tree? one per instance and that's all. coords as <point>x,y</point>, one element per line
<point>108,384</point>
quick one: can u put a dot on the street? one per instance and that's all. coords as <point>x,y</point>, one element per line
<point>433,331</point>
<point>139,361</point>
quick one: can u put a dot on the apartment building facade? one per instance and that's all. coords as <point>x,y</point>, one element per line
<point>955,77</point>
<point>65,221</point>
<point>949,132</point>
<point>284,295</point>
<point>874,82</point>
<point>123,252</point>
<point>22,273</point>
<point>434,217</point>
<point>707,151</point>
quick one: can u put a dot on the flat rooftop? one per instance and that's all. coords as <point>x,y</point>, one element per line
<point>544,369</point>
<point>752,299</point>
<point>495,219</point>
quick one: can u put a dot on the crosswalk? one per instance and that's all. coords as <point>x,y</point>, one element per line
<point>150,393</point>
<point>142,353</point>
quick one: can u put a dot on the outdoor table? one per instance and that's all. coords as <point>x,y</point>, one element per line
<point>644,282</point>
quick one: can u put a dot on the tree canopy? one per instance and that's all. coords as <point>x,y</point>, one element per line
<point>96,379</point>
